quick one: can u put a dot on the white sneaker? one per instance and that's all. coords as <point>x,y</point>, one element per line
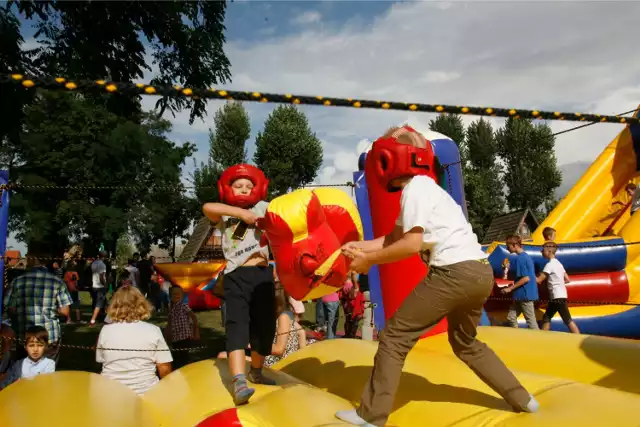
<point>533,405</point>
<point>352,418</point>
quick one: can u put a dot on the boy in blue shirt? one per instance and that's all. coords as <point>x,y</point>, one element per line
<point>524,288</point>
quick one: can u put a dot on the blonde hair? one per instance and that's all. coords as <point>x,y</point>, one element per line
<point>405,136</point>
<point>129,305</point>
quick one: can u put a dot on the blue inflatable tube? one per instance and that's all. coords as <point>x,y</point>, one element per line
<point>590,257</point>
<point>449,156</point>
<point>362,200</point>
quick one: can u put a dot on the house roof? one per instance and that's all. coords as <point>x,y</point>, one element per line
<point>201,233</point>
<point>503,225</point>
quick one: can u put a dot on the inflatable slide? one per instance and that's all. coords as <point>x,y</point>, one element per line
<point>599,245</point>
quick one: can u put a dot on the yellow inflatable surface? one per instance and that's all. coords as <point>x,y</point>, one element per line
<point>578,380</point>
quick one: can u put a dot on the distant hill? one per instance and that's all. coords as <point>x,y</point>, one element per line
<point>571,173</point>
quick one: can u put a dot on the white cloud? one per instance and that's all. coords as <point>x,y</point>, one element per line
<point>308,17</point>
<point>556,56</point>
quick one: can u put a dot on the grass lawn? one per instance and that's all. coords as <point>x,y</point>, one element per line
<point>211,335</point>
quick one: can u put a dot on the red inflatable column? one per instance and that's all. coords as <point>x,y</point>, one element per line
<point>397,279</point>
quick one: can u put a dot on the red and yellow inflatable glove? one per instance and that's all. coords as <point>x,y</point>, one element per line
<point>305,230</point>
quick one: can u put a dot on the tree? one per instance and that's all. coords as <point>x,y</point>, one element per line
<point>451,125</point>
<point>531,174</point>
<point>232,130</point>
<point>92,40</point>
<point>287,151</point>
<point>13,59</point>
<point>483,185</point>
<point>70,141</point>
<point>227,147</point>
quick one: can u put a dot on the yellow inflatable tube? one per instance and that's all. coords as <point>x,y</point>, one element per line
<point>578,380</point>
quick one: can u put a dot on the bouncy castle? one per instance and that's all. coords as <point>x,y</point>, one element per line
<point>598,245</point>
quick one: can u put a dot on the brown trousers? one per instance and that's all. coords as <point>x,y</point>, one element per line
<point>457,292</point>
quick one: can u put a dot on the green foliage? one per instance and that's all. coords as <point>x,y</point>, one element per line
<point>531,174</point>
<point>232,130</point>
<point>227,147</point>
<point>124,249</point>
<point>451,125</point>
<point>70,141</point>
<point>12,60</point>
<point>107,40</point>
<point>287,151</point>
<point>483,184</point>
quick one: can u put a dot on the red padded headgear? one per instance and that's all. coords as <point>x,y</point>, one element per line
<point>394,160</point>
<point>253,174</point>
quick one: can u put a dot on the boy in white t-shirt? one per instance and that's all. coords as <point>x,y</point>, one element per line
<point>556,277</point>
<point>460,278</point>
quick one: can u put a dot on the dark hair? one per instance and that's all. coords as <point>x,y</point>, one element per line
<point>36,333</point>
<point>548,232</point>
<point>282,300</point>
<point>514,239</point>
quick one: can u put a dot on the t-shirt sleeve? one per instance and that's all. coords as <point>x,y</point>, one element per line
<point>415,207</point>
<point>63,298</point>
<point>260,209</point>
<point>548,268</point>
<point>99,352</point>
<point>162,354</point>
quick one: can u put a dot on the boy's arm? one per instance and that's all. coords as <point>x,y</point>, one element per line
<point>566,278</point>
<point>542,277</point>
<point>215,211</point>
<point>376,244</point>
<point>409,244</point>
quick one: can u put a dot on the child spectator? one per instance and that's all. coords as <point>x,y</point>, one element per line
<point>352,305</point>
<point>36,340</point>
<point>556,277</point>
<point>249,292</point>
<point>71,278</point>
<point>148,350</point>
<point>331,304</point>
<point>182,327</point>
<point>524,287</point>
<point>290,336</point>
<point>549,234</point>
<point>297,307</point>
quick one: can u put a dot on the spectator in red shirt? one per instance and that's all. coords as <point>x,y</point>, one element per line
<point>182,327</point>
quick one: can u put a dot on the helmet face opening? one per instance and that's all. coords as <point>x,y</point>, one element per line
<point>249,172</point>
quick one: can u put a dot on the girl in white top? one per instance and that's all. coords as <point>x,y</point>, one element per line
<point>556,277</point>
<point>147,348</point>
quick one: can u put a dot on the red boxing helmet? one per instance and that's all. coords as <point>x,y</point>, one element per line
<point>253,174</point>
<point>392,160</point>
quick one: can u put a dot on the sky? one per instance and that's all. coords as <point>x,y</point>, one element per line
<point>560,56</point>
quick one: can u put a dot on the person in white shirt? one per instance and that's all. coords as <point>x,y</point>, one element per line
<point>134,273</point>
<point>148,350</point>
<point>458,284</point>
<point>556,277</point>
<point>98,286</point>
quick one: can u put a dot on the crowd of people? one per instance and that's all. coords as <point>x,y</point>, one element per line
<point>43,297</point>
